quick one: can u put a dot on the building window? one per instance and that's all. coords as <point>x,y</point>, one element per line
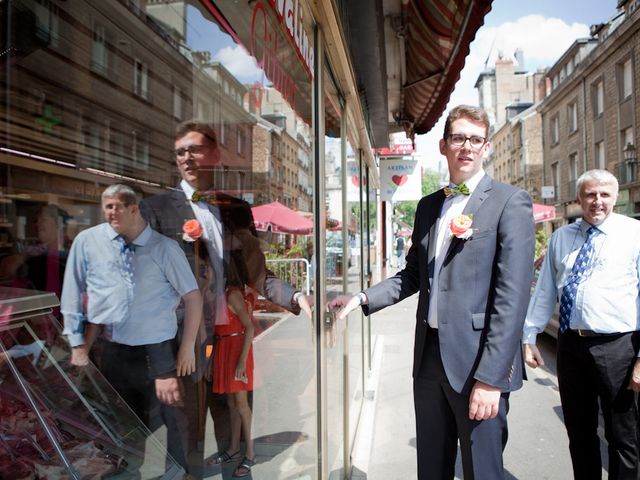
<point>99,50</point>
<point>140,150</point>
<point>599,161</point>
<point>223,133</point>
<point>598,98</point>
<point>141,79</point>
<point>177,103</point>
<point>47,23</point>
<point>626,137</point>
<point>239,141</point>
<point>625,78</point>
<point>555,177</point>
<point>555,129</point>
<point>573,117</point>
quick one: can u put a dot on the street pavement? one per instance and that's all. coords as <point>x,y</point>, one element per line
<point>386,445</point>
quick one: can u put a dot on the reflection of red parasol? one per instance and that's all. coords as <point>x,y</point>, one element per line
<point>280,219</point>
<point>542,213</point>
<point>404,232</point>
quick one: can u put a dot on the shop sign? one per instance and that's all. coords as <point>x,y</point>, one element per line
<point>400,146</point>
<point>400,179</point>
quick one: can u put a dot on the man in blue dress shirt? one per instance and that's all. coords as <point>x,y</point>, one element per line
<point>129,279</point>
<point>592,269</point>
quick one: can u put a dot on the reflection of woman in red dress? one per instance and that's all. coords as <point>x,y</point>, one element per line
<point>233,373</point>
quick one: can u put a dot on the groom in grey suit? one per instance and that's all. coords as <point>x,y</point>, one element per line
<point>471,260</point>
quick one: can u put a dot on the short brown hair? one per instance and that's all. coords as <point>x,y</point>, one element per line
<point>199,126</point>
<point>475,114</point>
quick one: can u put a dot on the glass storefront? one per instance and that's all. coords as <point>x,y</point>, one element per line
<point>93,94</point>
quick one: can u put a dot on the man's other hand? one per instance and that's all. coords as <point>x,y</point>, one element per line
<point>634,381</point>
<point>185,361</point>
<point>79,356</point>
<point>484,401</point>
<point>532,355</point>
<point>306,302</point>
<point>348,303</point>
<point>169,391</point>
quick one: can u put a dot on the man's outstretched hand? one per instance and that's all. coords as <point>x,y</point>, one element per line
<point>347,304</point>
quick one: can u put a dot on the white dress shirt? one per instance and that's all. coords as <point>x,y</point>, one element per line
<point>607,300</point>
<point>212,230</point>
<point>451,208</point>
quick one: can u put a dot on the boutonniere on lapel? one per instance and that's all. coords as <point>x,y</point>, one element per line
<point>191,230</point>
<point>460,226</point>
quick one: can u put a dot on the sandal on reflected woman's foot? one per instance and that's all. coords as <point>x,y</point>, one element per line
<point>244,468</point>
<point>224,457</point>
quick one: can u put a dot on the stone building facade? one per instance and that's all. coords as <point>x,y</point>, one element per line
<point>589,119</point>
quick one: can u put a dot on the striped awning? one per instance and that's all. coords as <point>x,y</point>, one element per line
<point>438,38</point>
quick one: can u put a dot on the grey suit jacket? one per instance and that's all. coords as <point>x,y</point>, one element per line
<point>483,286</point>
<point>167,212</point>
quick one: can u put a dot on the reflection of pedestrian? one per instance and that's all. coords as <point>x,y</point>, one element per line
<point>399,251</point>
<point>593,268</point>
<point>471,260</point>
<point>41,265</point>
<point>133,279</point>
<point>197,158</point>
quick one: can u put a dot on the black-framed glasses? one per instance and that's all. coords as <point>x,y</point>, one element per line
<point>191,149</point>
<point>458,140</point>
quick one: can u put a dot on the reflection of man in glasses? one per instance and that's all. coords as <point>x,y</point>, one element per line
<point>197,157</point>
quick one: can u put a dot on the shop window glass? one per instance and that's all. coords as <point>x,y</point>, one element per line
<point>133,71</point>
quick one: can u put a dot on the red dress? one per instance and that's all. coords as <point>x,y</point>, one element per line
<point>227,348</point>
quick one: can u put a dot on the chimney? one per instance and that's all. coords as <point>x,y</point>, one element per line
<point>519,56</point>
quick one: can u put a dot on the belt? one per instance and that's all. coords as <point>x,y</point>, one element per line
<point>591,333</point>
<point>236,334</point>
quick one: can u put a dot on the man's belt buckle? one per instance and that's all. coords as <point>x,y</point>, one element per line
<point>589,333</point>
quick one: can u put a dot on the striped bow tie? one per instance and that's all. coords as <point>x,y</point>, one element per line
<point>461,189</point>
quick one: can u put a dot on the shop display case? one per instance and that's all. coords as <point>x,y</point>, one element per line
<point>59,421</point>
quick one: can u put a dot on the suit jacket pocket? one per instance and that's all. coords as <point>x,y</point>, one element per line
<point>477,320</point>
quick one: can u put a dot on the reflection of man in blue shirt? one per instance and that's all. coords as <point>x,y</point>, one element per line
<point>129,278</point>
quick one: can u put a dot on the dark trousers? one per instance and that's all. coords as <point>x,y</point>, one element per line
<point>442,418</point>
<point>127,370</point>
<point>594,370</point>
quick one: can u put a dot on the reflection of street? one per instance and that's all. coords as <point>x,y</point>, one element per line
<point>284,402</point>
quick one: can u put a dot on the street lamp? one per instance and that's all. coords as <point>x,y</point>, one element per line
<point>630,160</point>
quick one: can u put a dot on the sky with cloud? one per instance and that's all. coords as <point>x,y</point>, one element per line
<point>543,29</point>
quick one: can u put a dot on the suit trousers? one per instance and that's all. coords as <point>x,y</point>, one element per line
<point>594,370</point>
<point>127,370</point>
<point>442,419</point>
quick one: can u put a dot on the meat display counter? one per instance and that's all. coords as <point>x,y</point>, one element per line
<point>58,421</point>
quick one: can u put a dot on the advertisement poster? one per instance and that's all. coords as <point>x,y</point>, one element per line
<point>400,179</point>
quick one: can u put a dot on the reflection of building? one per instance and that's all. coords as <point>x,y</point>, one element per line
<point>290,152</point>
<point>589,118</point>
<point>219,99</point>
<point>108,107</point>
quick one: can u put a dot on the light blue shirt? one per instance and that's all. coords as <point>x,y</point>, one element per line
<point>137,310</point>
<point>607,300</point>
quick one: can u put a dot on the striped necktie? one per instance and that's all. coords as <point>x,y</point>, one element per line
<point>578,273</point>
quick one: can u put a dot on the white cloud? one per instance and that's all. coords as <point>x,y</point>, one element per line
<point>543,41</point>
<point>241,65</point>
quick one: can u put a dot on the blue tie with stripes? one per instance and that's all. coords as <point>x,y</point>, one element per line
<point>580,268</point>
